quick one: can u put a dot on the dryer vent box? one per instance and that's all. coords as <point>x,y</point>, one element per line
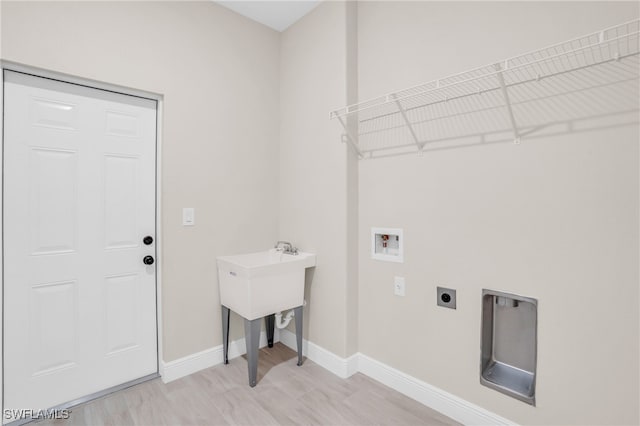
<point>386,244</point>
<point>509,344</point>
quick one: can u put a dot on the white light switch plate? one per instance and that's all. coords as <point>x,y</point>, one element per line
<point>398,286</point>
<point>188,216</point>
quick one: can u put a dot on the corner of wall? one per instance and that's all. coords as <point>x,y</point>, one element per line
<point>318,189</point>
<point>351,92</point>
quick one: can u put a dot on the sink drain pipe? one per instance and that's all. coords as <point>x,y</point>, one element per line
<point>280,323</point>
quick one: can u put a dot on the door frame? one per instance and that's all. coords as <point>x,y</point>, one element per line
<point>67,78</point>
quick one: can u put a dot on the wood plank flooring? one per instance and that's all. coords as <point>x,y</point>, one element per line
<point>285,395</point>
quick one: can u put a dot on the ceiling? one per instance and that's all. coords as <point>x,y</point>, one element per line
<point>278,15</point>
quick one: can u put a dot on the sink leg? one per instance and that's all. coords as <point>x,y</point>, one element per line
<point>298,318</point>
<point>270,324</point>
<point>252,337</point>
<point>225,333</point>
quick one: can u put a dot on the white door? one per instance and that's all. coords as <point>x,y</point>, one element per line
<point>79,197</point>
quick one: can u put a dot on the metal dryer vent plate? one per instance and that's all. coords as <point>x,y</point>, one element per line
<point>446,297</point>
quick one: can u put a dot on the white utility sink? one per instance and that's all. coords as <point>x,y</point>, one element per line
<point>255,285</point>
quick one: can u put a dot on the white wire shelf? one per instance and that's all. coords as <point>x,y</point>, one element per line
<point>591,77</point>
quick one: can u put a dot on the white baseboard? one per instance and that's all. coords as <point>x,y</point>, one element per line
<point>450,405</point>
<point>341,367</point>
<point>431,396</point>
<point>173,370</point>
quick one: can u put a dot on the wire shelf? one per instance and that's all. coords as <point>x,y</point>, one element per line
<point>593,76</point>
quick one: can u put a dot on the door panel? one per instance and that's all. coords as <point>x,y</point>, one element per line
<point>52,114</point>
<point>79,196</point>
<point>122,325</point>
<point>54,333</point>
<point>120,202</point>
<point>121,124</point>
<point>53,201</point>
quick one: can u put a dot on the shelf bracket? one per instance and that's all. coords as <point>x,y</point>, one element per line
<point>347,135</point>
<point>507,101</point>
<point>407,123</point>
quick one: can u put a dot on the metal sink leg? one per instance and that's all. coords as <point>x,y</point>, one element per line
<point>252,338</point>
<point>298,318</point>
<point>269,325</point>
<point>225,333</point>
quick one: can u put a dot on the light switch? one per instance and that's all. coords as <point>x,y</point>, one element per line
<point>188,216</point>
<point>398,286</point>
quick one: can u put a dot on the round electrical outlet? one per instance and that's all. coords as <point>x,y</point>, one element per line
<point>446,297</point>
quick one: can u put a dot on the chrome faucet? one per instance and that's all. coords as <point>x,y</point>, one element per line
<point>286,247</point>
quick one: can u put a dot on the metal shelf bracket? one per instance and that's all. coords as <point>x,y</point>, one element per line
<point>347,137</point>
<point>403,114</point>
<point>505,94</point>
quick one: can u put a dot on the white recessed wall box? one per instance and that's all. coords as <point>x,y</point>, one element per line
<point>386,244</point>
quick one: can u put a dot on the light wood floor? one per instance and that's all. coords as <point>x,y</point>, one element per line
<point>285,395</point>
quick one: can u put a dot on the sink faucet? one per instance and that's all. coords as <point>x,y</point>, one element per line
<point>286,247</point>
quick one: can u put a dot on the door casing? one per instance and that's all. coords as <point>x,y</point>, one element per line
<point>39,72</point>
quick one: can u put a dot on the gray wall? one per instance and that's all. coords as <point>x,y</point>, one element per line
<point>314,165</point>
<point>218,73</point>
<point>248,143</point>
<point>552,218</point>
